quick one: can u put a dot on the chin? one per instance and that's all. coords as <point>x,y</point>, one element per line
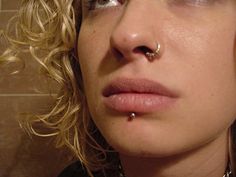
<point>147,150</point>
<point>156,146</point>
<point>147,153</point>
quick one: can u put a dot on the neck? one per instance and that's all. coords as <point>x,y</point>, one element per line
<point>208,160</point>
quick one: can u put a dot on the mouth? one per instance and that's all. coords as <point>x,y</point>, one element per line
<point>137,95</point>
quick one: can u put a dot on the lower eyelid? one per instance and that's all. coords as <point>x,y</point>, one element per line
<point>107,5</point>
<point>91,4</point>
<point>198,2</point>
<point>94,4</point>
<point>192,2</point>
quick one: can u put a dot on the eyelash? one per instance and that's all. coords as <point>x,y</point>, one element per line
<point>193,2</point>
<point>90,4</point>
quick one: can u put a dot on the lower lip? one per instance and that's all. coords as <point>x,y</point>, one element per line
<point>138,102</point>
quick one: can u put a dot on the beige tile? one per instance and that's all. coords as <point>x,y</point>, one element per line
<point>29,80</point>
<point>10,4</point>
<point>4,17</point>
<point>21,156</point>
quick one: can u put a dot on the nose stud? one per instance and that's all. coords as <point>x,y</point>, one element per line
<point>152,55</point>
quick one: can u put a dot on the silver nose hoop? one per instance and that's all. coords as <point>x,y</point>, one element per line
<point>154,54</point>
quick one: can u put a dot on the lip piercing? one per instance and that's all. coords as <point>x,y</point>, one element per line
<point>152,55</point>
<point>132,115</point>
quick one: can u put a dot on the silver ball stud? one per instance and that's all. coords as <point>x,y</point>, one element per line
<point>132,115</point>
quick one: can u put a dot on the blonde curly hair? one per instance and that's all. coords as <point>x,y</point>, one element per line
<point>48,30</point>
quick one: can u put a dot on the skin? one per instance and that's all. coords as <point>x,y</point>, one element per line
<point>197,61</point>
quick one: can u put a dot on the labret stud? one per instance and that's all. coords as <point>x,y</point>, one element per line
<point>132,115</point>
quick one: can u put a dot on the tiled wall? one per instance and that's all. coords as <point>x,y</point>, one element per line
<point>21,156</point>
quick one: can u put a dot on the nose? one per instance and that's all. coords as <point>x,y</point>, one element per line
<point>135,35</point>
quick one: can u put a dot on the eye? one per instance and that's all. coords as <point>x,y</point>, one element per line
<point>105,3</point>
<point>195,2</point>
<point>102,4</point>
<point>199,2</point>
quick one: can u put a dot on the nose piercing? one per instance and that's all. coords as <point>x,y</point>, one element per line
<point>132,115</point>
<point>152,55</point>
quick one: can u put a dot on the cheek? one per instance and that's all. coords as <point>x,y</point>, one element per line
<point>93,45</point>
<point>211,88</point>
<point>202,62</point>
<point>92,50</point>
<point>88,52</point>
<point>205,52</point>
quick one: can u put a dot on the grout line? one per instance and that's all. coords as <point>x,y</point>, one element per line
<point>27,95</point>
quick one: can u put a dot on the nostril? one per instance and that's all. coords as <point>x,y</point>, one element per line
<point>142,49</point>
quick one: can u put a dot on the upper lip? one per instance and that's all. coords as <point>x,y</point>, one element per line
<point>139,86</point>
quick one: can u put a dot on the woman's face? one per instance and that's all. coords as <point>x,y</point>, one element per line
<point>196,67</point>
